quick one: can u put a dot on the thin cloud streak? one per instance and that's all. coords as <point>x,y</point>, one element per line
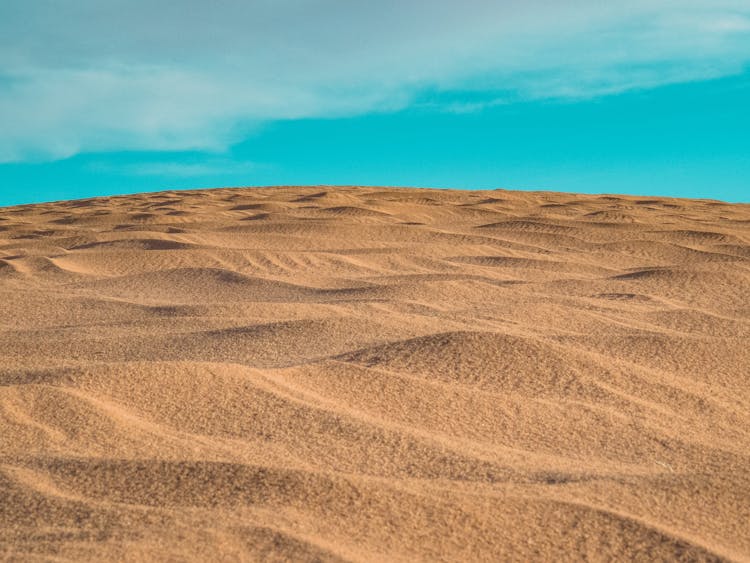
<point>177,169</point>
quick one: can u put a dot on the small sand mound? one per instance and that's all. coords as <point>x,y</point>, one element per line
<point>488,361</point>
<point>136,244</point>
<point>256,217</point>
<point>528,264</point>
<point>522,225</point>
<point>609,216</point>
<point>354,211</point>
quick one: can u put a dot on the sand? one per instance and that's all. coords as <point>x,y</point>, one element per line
<point>370,374</point>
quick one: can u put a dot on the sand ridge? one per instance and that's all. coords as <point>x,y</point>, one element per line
<point>370,374</point>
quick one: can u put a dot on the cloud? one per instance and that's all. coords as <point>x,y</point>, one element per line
<point>729,23</point>
<point>176,168</point>
<point>86,75</point>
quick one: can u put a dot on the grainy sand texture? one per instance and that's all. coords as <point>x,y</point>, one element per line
<point>369,374</point>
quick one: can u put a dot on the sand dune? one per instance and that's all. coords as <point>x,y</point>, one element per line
<point>371,374</point>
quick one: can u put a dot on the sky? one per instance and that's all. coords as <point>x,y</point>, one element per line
<point>102,97</point>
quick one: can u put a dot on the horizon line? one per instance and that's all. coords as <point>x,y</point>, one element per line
<point>382,186</point>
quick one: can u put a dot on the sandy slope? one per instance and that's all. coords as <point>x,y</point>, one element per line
<point>375,374</point>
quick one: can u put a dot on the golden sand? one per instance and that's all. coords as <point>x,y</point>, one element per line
<point>373,374</point>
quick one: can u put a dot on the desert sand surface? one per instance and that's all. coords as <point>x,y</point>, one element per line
<point>368,374</point>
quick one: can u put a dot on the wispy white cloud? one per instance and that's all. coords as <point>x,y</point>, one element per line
<point>207,167</point>
<point>729,23</point>
<point>89,75</point>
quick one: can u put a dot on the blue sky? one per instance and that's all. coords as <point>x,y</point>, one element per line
<point>120,97</point>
